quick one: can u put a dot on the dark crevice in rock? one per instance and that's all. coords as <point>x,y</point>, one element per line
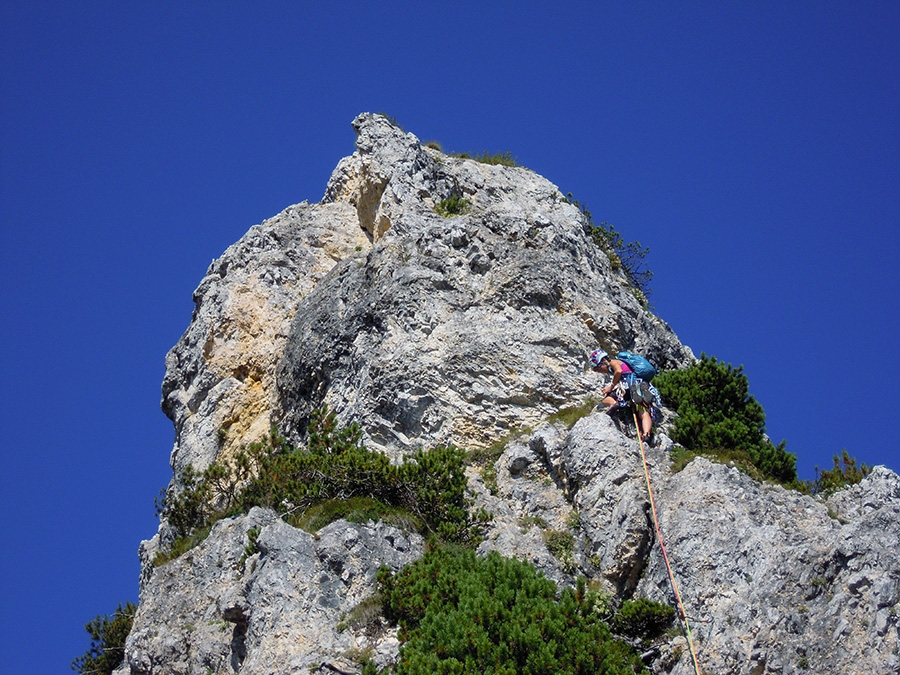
<point>538,446</point>
<point>630,582</point>
<point>238,645</point>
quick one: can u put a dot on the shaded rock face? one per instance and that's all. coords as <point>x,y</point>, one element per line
<point>470,329</point>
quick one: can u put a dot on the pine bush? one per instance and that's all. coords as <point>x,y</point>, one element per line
<point>628,256</point>
<point>717,414</point>
<point>334,467</point>
<point>108,635</point>
<point>844,473</point>
<point>643,618</point>
<point>460,613</point>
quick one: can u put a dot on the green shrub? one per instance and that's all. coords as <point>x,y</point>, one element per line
<point>559,542</point>
<point>251,548</point>
<point>489,478</point>
<point>628,256</point>
<point>573,520</point>
<point>642,618</point>
<point>185,510</point>
<point>364,617</point>
<point>355,510</point>
<point>561,545</point>
<point>108,635</point>
<point>569,416</point>
<point>460,613</point>
<point>454,205</point>
<point>205,498</point>
<point>640,297</point>
<point>717,414</point>
<point>426,490</point>
<point>501,158</point>
<point>680,457</point>
<point>527,522</point>
<point>843,474</point>
<point>369,668</point>
<point>182,544</point>
<point>490,454</point>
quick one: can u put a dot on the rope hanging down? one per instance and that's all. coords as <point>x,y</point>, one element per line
<point>662,546</point>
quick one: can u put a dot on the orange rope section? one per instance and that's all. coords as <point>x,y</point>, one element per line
<point>662,546</point>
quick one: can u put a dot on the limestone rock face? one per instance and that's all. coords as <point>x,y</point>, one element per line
<point>777,580</point>
<point>219,384</point>
<point>425,329</point>
<point>473,329</point>
<point>772,581</point>
<point>227,606</point>
<point>456,329</point>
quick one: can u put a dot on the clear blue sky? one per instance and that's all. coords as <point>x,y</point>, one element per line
<point>754,147</point>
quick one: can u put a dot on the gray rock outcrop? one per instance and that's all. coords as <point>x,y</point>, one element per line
<point>229,605</point>
<point>219,388</point>
<point>773,581</point>
<point>456,329</point>
<point>442,330</point>
<point>474,329</point>
<point>777,581</point>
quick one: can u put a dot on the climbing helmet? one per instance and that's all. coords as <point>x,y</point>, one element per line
<point>597,356</point>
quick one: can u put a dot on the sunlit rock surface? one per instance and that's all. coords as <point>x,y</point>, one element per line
<point>473,329</point>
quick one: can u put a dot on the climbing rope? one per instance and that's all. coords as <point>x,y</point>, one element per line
<point>662,546</point>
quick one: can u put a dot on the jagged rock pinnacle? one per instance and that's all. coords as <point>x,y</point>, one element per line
<point>467,327</point>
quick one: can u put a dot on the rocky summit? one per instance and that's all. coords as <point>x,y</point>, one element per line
<point>441,300</point>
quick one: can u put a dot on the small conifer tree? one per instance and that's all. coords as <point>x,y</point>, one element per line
<point>628,256</point>
<point>844,473</point>
<point>717,414</point>
<point>108,635</point>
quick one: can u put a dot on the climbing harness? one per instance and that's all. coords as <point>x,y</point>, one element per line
<point>662,546</point>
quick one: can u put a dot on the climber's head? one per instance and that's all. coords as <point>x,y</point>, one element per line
<point>598,356</point>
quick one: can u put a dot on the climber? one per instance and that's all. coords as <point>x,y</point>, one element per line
<point>627,388</point>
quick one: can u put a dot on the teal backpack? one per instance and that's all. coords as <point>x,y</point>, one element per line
<point>642,367</point>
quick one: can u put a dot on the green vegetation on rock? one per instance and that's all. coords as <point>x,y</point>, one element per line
<point>844,473</point>
<point>570,415</point>
<point>498,158</point>
<point>642,618</point>
<point>628,256</point>
<point>501,158</point>
<point>454,205</point>
<point>334,473</point>
<point>108,635</point>
<point>718,416</point>
<point>460,613</point>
